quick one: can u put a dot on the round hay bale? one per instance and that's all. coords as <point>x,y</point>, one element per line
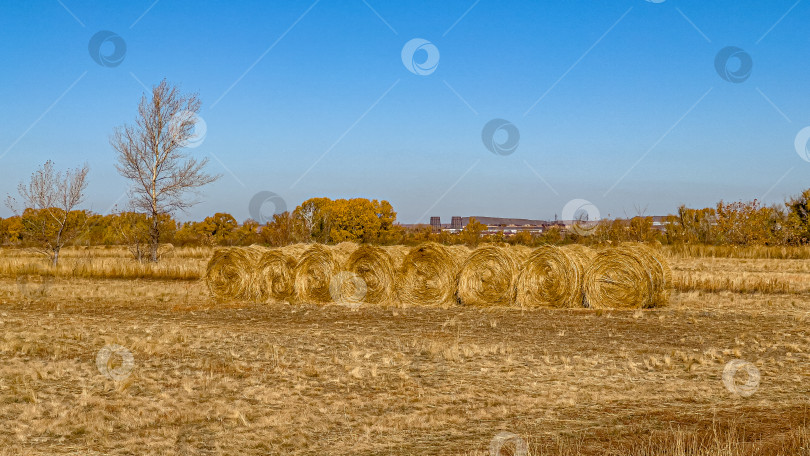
<point>229,274</point>
<point>428,275</point>
<point>295,250</point>
<point>487,277</point>
<point>313,274</point>
<point>275,276</point>
<point>397,254</point>
<point>459,252</point>
<point>581,253</point>
<point>661,272</point>
<point>551,276</point>
<point>343,250</point>
<point>626,277</point>
<point>373,266</point>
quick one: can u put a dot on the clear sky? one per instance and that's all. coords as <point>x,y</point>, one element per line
<point>618,102</point>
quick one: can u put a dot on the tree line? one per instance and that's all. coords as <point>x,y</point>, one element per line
<point>371,221</point>
<point>164,178</point>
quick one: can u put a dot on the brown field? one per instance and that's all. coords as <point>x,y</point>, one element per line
<point>239,378</point>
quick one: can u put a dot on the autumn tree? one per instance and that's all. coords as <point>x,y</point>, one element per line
<point>282,230</point>
<point>247,233</point>
<point>745,223</point>
<point>132,229</point>
<point>696,225</point>
<point>640,229</point>
<point>354,220</point>
<point>11,230</point>
<point>389,231</point>
<point>798,217</point>
<point>218,229</point>
<point>471,234</point>
<point>151,155</point>
<point>48,205</point>
<point>357,220</point>
<point>314,219</point>
<point>522,238</point>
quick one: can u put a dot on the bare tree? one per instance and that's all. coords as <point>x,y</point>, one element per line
<point>48,207</point>
<point>150,154</point>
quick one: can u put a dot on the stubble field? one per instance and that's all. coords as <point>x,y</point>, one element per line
<point>239,378</point>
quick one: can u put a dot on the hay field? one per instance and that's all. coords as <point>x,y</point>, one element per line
<point>209,377</point>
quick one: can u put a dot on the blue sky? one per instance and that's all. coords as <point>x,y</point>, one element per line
<point>307,99</point>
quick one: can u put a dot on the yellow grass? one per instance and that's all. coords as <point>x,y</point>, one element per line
<point>252,378</point>
<point>747,252</point>
<point>188,264</point>
<point>246,378</point>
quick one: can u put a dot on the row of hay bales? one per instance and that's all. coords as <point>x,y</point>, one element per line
<point>625,276</point>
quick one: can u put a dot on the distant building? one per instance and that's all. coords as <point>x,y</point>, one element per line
<point>495,225</point>
<point>436,224</point>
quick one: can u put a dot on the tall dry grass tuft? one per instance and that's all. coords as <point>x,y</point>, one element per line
<point>772,285</point>
<point>721,441</point>
<point>743,252</point>
<point>100,264</point>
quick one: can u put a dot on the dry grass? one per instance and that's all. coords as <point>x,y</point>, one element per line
<point>740,252</point>
<point>107,263</point>
<point>217,378</point>
<point>769,276</point>
<point>250,378</point>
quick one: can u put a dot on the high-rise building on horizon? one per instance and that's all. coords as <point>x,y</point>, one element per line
<point>436,224</point>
